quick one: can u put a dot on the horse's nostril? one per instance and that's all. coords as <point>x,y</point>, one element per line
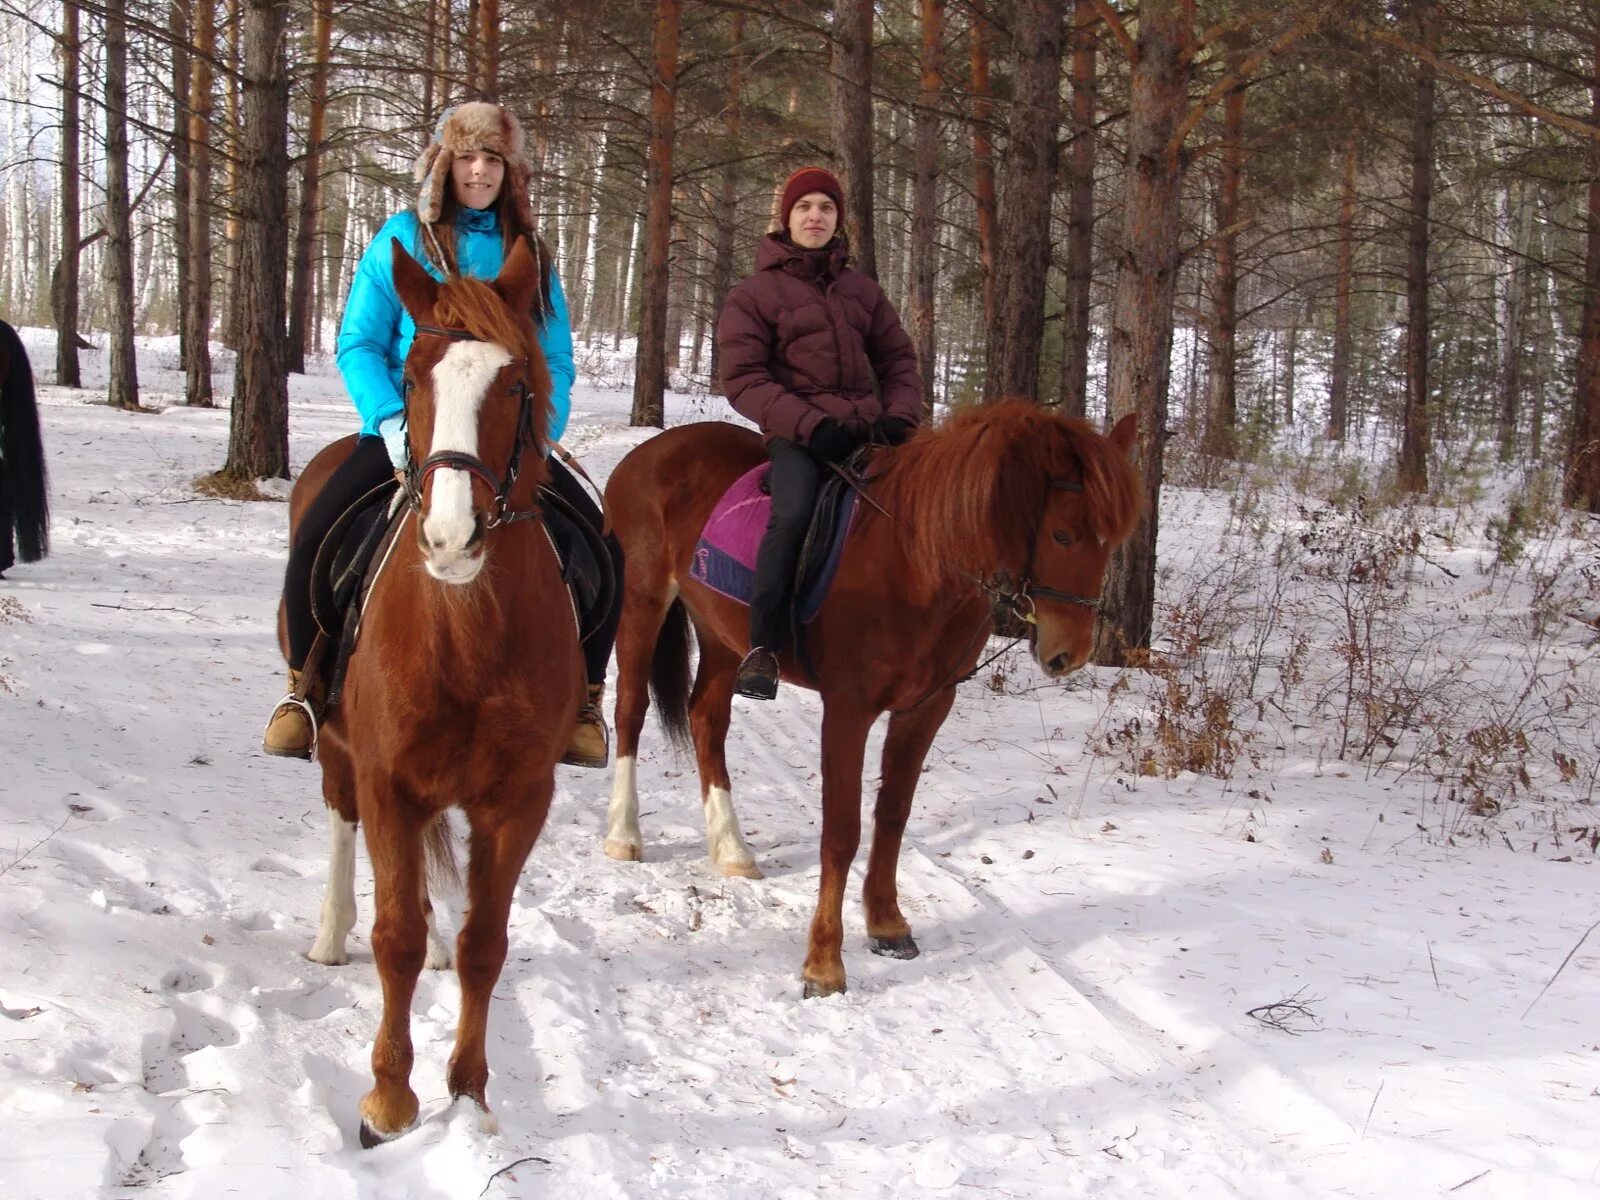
<point>1060,664</point>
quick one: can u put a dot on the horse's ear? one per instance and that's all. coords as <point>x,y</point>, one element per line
<point>518,281</point>
<point>1125,433</point>
<point>417,289</point>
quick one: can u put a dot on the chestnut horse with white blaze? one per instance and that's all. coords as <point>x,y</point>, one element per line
<point>1011,502</point>
<point>465,685</point>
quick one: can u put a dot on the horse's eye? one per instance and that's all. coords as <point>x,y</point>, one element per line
<point>1061,536</point>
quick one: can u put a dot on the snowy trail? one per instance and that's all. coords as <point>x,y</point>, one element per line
<point>1074,1027</point>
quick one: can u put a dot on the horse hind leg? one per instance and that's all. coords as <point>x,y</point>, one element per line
<point>400,947</point>
<point>710,708</point>
<point>501,840</point>
<point>906,745</point>
<point>644,609</point>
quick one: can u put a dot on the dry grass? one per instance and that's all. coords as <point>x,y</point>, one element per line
<point>221,486</point>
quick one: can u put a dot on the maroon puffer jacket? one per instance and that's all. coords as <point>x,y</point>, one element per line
<point>806,337</point>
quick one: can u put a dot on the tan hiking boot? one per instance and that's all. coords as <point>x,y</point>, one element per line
<point>591,741</point>
<point>292,731</point>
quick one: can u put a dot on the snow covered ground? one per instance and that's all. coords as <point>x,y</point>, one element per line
<point>1076,1026</point>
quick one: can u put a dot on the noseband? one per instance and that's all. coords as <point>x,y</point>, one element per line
<point>1020,599</point>
<point>417,476</point>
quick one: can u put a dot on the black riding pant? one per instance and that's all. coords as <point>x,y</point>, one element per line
<point>367,467</point>
<point>793,481</point>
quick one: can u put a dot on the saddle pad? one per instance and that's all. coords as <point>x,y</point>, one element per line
<point>725,556</point>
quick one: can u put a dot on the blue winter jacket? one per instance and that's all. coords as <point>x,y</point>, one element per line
<point>377,330</point>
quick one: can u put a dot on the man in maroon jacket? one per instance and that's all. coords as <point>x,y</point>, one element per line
<point>812,352</point>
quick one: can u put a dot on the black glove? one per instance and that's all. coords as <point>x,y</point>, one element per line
<point>892,431</point>
<point>831,441</point>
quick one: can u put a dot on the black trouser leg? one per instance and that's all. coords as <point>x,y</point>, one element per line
<point>597,650</point>
<point>367,467</point>
<point>793,480</point>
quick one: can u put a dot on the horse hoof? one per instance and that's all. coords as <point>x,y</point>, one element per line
<point>739,870</point>
<point>815,991</point>
<point>328,958</point>
<point>623,851</point>
<point>370,1137</point>
<point>897,947</point>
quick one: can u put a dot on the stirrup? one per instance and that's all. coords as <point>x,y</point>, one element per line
<point>290,700</point>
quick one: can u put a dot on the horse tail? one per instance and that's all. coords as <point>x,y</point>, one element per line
<point>22,466</point>
<point>439,852</point>
<point>669,675</point>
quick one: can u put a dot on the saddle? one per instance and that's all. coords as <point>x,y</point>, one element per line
<point>725,555</point>
<point>357,549</point>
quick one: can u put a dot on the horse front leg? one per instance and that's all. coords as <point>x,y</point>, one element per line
<point>910,734</point>
<point>501,839</point>
<point>338,916</point>
<point>710,708</point>
<point>399,946</point>
<point>844,748</point>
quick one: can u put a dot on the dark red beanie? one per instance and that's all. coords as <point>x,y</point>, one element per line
<point>805,181</point>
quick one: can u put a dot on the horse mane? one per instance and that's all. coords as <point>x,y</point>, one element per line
<point>474,307</point>
<point>970,493</point>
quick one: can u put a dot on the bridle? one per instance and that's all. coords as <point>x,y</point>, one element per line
<point>417,476</point>
<point>1020,599</point>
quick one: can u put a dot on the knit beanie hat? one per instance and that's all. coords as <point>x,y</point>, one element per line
<point>805,181</point>
<point>476,125</point>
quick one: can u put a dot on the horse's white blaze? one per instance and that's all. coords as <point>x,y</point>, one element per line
<point>339,902</point>
<point>729,854</point>
<point>623,839</point>
<point>461,381</point>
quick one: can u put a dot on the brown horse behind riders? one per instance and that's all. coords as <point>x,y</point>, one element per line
<point>1011,502</point>
<point>465,685</point>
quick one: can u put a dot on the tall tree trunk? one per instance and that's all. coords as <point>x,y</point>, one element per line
<point>983,157</point>
<point>65,284</point>
<point>1222,407</point>
<point>1017,329</point>
<point>1521,202</point>
<point>233,230</point>
<point>727,207</point>
<point>310,186</point>
<point>430,58</point>
<point>1582,484</point>
<point>1414,432</point>
<point>852,124</point>
<point>124,388</point>
<point>650,378</point>
<point>1291,355</point>
<point>1075,340</point>
<point>258,442</point>
<point>489,49</point>
<point>1140,354</point>
<point>179,25</point>
<point>197,353</point>
<point>1339,373</point>
<point>924,253</point>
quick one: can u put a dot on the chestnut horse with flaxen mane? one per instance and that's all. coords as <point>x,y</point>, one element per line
<point>1012,502</point>
<point>464,688</point>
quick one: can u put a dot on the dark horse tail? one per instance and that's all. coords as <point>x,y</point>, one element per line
<point>22,469</point>
<point>669,674</point>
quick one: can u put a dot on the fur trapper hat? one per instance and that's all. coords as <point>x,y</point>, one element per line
<point>477,125</point>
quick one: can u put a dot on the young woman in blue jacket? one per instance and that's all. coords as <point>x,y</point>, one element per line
<point>472,207</point>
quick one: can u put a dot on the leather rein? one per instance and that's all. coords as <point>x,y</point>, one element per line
<point>416,476</point>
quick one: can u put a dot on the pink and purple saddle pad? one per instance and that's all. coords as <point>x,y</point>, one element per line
<point>725,556</point>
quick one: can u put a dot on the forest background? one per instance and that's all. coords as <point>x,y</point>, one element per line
<point>1358,223</point>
